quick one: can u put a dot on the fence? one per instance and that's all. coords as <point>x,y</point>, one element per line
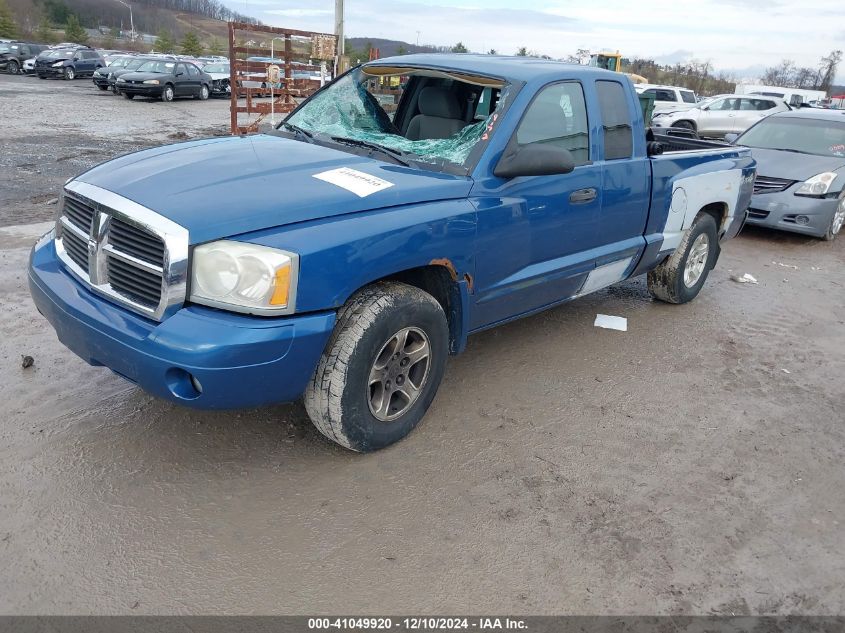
<point>285,65</point>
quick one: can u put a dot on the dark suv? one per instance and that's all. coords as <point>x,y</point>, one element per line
<point>14,54</point>
<point>68,62</point>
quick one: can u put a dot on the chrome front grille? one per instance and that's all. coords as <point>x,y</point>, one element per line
<point>764,184</point>
<point>123,251</point>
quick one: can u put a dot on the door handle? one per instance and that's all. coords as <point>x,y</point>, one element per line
<point>582,195</point>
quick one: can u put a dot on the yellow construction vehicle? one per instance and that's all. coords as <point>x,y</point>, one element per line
<point>613,61</point>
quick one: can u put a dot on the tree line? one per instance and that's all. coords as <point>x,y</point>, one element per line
<point>788,75</point>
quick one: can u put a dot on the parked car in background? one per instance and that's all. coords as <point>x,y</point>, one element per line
<point>718,116</point>
<point>800,185</point>
<point>220,77</point>
<point>795,97</point>
<point>68,63</point>
<point>106,78</point>
<point>14,54</point>
<point>29,66</point>
<point>165,80</point>
<point>666,98</point>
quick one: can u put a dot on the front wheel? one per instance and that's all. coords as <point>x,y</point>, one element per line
<point>681,277</point>
<point>69,73</point>
<point>685,125</point>
<point>13,67</point>
<point>126,95</point>
<point>103,87</point>
<point>167,94</point>
<point>837,221</point>
<point>381,368</point>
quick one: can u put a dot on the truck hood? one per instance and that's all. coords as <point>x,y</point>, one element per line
<point>223,187</point>
<point>775,163</point>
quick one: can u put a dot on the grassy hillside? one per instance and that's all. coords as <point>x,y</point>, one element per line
<point>207,18</point>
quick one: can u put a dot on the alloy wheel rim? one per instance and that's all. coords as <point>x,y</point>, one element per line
<point>696,260</point>
<point>399,374</point>
<point>838,218</point>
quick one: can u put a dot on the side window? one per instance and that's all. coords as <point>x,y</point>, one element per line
<point>666,95</point>
<point>193,71</point>
<point>687,96</point>
<point>795,101</point>
<point>558,117</point>
<point>179,69</point>
<point>616,120</point>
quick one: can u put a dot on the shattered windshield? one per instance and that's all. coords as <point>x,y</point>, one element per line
<point>443,120</point>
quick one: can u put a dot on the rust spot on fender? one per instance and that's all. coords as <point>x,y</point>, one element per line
<point>469,280</point>
<point>446,263</point>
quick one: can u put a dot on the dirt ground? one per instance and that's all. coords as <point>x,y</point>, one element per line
<point>692,465</point>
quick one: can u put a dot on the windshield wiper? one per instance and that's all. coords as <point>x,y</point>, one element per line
<point>794,151</point>
<point>307,136</point>
<point>392,153</point>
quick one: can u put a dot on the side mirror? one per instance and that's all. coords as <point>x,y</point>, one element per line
<point>533,160</point>
<point>731,138</point>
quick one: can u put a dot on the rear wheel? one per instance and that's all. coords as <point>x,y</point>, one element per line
<point>381,368</point>
<point>203,93</point>
<point>70,74</point>
<point>126,95</point>
<point>681,277</point>
<point>167,93</point>
<point>13,67</point>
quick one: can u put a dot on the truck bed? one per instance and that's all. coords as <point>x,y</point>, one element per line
<point>680,143</point>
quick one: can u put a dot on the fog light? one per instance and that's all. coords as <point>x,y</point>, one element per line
<point>802,219</point>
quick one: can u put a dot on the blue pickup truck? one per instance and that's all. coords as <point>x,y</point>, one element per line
<point>343,256</point>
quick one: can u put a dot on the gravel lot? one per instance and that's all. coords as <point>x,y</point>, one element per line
<point>692,465</point>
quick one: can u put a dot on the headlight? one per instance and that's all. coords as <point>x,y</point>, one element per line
<point>58,64</point>
<point>244,277</point>
<point>153,82</point>
<point>818,185</point>
<point>121,79</point>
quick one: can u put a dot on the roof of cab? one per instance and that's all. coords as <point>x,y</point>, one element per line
<point>523,69</point>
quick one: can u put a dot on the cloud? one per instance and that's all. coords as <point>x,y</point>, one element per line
<point>732,34</point>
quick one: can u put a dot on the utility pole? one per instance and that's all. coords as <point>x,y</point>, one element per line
<point>131,21</point>
<point>338,27</point>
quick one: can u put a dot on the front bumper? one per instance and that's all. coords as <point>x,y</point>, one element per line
<point>101,81</point>
<point>788,212</point>
<point>239,360</point>
<point>50,71</point>
<point>148,90</point>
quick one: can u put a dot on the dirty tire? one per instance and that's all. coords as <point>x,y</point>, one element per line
<point>13,67</point>
<point>203,93</point>
<point>103,87</point>
<point>337,398</point>
<point>666,282</point>
<point>70,73</point>
<point>167,94</point>
<point>837,221</point>
<point>126,95</point>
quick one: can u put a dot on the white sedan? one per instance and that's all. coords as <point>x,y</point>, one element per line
<point>724,114</point>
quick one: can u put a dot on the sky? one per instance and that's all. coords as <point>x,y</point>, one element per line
<point>740,36</point>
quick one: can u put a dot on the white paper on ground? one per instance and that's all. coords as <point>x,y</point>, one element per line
<point>359,183</point>
<point>611,322</point>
